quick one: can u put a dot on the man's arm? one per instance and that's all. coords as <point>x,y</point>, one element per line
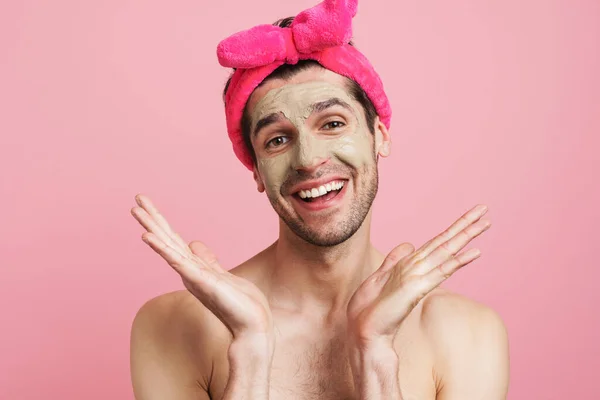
<point>471,344</point>
<point>375,372</point>
<point>471,347</point>
<point>160,368</point>
<point>250,362</point>
<point>163,367</point>
<point>237,303</point>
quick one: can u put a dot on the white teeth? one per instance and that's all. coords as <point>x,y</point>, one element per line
<point>321,190</point>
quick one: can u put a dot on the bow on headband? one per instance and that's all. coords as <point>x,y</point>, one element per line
<point>320,33</point>
<point>328,24</point>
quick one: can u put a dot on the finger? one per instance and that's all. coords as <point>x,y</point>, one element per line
<point>394,256</point>
<point>415,290</point>
<point>182,265</point>
<point>144,202</point>
<point>205,255</point>
<point>448,249</point>
<point>443,271</point>
<point>470,217</point>
<point>151,226</point>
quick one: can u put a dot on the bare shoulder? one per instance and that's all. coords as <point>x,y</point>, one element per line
<point>169,314</point>
<point>161,306</point>
<point>470,343</point>
<point>173,338</point>
<point>443,308</point>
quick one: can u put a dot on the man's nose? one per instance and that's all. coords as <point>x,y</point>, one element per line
<point>310,153</point>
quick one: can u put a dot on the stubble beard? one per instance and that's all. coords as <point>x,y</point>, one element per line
<point>339,232</point>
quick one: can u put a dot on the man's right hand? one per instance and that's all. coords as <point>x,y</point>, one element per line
<point>237,302</point>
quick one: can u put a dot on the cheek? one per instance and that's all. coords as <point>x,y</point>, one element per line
<point>354,149</point>
<point>274,172</point>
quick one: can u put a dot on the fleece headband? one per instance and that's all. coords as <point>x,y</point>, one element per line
<point>320,33</point>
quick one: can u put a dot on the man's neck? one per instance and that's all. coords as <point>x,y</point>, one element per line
<point>320,280</point>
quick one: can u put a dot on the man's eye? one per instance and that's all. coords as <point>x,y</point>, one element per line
<point>333,125</point>
<point>276,142</point>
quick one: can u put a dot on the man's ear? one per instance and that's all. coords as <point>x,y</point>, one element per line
<point>383,141</point>
<point>260,186</point>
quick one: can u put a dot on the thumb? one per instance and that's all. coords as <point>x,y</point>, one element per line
<point>397,253</point>
<point>204,254</point>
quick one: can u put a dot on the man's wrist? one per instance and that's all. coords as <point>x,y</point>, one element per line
<point>250,361</point>
<point>375,370</point>
<point>253,351</point>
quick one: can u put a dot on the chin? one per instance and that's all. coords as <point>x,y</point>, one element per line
<point>323,237</point>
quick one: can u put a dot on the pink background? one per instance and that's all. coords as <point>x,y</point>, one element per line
<point>495,102</point>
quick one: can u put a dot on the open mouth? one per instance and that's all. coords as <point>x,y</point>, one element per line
<point>330,195</point>
<point>321,194</point>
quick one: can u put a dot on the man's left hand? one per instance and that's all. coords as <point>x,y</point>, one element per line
<point>378,307</point>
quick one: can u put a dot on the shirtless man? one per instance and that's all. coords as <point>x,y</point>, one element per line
<point>319,314</point>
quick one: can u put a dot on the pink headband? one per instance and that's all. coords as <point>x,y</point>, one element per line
<point>320,33</point>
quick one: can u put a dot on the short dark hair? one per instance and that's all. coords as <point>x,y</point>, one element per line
<point>286,71</point>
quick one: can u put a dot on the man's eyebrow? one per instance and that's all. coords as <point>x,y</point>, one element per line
<point>314,108</point>
<point>334,101</point>
<point>266,121</point>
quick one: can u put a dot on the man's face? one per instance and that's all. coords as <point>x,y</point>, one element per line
<point>316,156</point>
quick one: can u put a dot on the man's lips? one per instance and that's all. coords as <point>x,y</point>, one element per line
<point>312,184</point>
<point>322,202</point>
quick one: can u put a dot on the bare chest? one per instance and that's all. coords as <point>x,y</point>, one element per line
<point>313,370</point>
<point>320,369</point>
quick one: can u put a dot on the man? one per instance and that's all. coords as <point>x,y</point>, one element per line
<point>319,314</point>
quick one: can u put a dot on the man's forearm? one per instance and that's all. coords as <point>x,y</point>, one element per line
<point>375,372</point>
<point>249,371</point>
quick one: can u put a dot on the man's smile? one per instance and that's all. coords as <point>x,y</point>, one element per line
<point>316,192</point>
<point>320,197</point>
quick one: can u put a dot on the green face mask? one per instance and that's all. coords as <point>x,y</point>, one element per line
<point>304,133</point>
<point>319,131</point>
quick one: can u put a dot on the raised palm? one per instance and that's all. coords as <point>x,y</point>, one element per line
<point>385,299</point>
<point>237,302</point>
